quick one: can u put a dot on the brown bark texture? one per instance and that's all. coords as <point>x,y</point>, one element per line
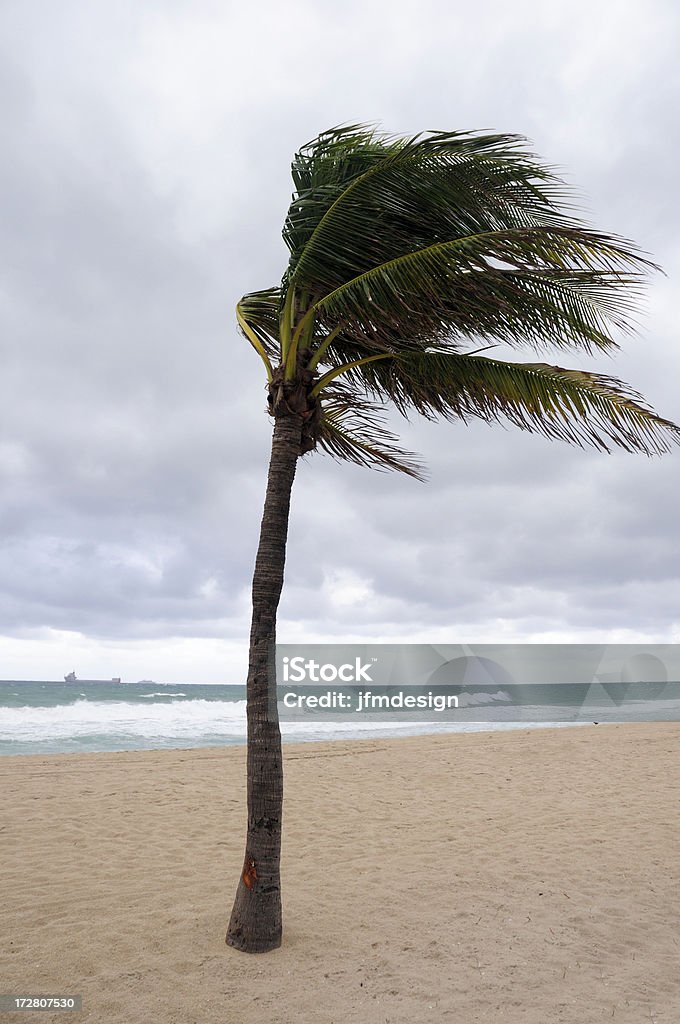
<point>255,925</point>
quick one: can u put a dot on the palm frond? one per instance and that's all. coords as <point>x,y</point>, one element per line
<point>385,196</point>
<point>257,315</point>
<point>538,286</point>
<point>260,311</point>
<point>574,405</point>
<point>321,171</point>
<point>354,431</point>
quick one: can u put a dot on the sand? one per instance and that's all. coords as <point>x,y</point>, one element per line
<point>530,877</point>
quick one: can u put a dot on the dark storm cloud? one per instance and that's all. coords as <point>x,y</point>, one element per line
<point>121,451</point>
<point>144,190</point>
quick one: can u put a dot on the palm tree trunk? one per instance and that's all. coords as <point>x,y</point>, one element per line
<point>255,925</point>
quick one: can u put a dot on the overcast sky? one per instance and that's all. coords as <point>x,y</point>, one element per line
<point>144,182</point>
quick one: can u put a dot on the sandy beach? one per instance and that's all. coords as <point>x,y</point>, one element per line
<point>529,876</point>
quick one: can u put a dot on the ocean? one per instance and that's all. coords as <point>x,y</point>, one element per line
<point>43,717</point>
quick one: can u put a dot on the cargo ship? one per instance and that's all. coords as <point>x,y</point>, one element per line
<point>72,678</point>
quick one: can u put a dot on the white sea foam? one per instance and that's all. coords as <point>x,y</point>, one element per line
<point>172,694</point>
<point>189,718</point>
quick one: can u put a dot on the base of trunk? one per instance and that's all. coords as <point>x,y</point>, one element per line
<point>255,925</point>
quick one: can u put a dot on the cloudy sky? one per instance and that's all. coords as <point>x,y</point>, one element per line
<point>144,182</point>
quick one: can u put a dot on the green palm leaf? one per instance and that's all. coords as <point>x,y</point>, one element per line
<point>260,311</point>
<point>398,195</point>
<point>574,405</point>
<point>529,285</point>
<point>356,433</point>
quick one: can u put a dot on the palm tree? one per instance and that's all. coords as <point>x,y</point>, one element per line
<point>408,258</point>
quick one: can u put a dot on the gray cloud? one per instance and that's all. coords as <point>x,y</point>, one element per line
<point>144,190</point>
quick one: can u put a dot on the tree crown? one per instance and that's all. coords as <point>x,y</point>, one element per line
<point>410,256</point>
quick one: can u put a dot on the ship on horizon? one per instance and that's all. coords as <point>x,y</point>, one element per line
<point>72,678</point>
